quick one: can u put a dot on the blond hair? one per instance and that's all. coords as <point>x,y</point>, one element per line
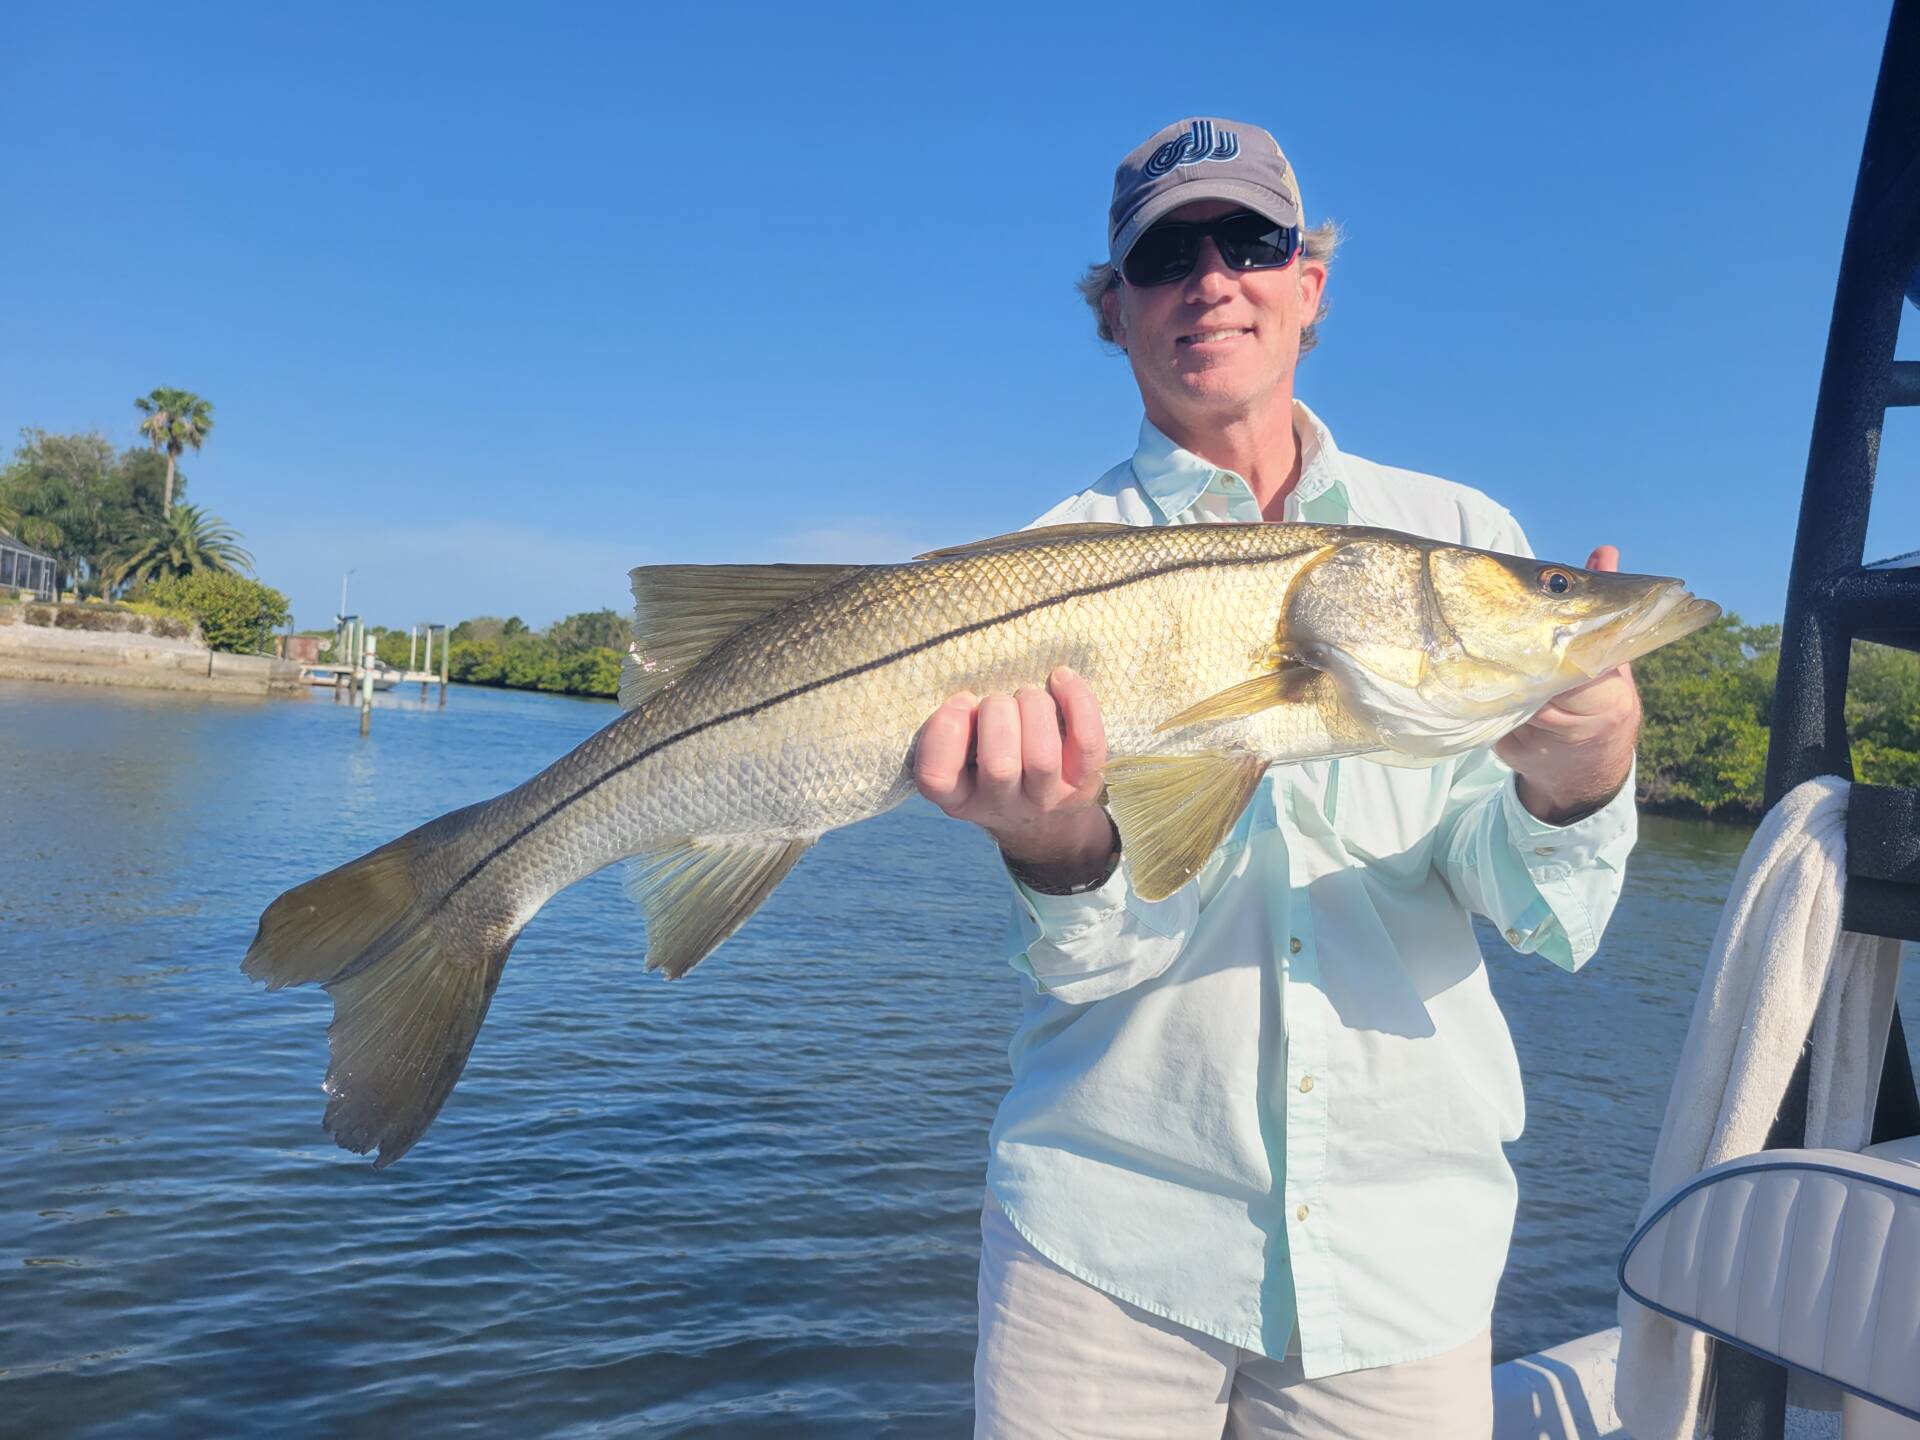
<point>1319,243</point>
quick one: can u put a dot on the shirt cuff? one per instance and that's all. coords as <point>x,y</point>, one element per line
<point>1061,917</point>
<point>1554,852</point>
<point>1575,870</point>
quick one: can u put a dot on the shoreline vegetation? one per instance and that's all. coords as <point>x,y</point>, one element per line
<point>577,656</point>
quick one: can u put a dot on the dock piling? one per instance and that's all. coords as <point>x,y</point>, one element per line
<point>366,682</point>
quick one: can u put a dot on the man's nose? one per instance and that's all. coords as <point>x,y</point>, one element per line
<point>1211,277</point>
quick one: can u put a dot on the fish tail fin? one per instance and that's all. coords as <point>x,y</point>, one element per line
<point>410,978</point>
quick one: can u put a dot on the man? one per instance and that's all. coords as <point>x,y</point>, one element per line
<point>1249,1178</point>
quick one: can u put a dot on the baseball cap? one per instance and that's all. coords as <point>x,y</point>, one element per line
<point>1203,158</point>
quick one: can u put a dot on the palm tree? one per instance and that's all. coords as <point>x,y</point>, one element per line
<point>185,541</point>
<point>176,420</point>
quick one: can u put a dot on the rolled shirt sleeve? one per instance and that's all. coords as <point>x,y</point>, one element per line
<point>1549,888</point>
<point>1081,948</point>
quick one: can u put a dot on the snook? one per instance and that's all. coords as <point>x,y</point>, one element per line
<point>770,704</point>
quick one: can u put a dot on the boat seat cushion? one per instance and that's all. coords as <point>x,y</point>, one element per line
<point>1808,1257</point>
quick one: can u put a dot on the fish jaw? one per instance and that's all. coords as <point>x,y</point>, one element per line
<point>1668,613</point>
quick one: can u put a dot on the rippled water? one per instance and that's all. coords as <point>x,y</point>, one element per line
<point>746,1204</point>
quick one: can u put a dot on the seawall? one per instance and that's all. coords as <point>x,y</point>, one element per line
<point>155,662</point>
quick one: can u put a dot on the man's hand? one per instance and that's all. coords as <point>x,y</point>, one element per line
<point>1573,756</point>
<point>1026,768</point>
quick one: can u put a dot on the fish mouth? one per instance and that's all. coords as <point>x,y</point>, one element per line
<point>1667,613</point>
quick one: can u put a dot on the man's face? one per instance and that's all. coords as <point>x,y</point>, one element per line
<point>1216,346</point>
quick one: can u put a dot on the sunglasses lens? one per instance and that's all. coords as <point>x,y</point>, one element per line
<point>1253,242</point>
<point>1162,255</point>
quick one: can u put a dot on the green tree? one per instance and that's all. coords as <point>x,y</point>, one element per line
<point>185,542</point>
<point>589,630</point>
<point>1883,714</point>
<point>489,627</point>
<point>1707,700</point>
<point>176,420</point>
<point>235,614</point>
<point>62,493</point>
<point>142,482</point>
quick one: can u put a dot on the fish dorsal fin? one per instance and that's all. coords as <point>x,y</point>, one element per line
<point>680,612</point>
<point>697,893</point>
<point>1174,810</point>
<point>1041,535</point>
<point>1289,684</point>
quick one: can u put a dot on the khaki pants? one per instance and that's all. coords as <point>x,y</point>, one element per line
<point>1060,1360</point>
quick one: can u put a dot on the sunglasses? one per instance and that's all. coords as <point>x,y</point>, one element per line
<point>1246,241</point>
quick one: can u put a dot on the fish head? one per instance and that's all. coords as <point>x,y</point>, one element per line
<point>1441,648</point>
<point>1515,631</point>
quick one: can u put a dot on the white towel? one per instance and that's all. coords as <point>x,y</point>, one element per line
<point>1782,971</point>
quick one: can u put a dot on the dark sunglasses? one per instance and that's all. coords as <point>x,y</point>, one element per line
<point>1246,241</point>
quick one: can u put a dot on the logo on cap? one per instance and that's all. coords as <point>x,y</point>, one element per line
<point>1200,143</point>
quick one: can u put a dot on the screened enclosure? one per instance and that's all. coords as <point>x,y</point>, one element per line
<point>24,568</point>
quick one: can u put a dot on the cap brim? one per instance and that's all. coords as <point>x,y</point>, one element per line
<point>1257,198</point>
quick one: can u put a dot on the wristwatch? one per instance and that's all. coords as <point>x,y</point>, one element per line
<point>1033,879</point>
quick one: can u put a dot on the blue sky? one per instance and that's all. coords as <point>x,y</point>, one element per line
<point>497,302</point>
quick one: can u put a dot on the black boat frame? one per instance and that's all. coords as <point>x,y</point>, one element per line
<point>1833,598</point>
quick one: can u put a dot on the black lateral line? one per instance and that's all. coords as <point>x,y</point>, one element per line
<point>1208,563</point>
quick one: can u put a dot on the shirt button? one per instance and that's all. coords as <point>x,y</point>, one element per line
<point>1293,945</point>
<point>1514,937</point>
<point>1543,849</point>
<point>1301,1213</point>
<point>1306,1083</point>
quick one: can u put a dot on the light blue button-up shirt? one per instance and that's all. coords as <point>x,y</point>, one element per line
<point>1272,1106</point>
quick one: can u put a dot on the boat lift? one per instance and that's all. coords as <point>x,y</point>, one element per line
<point>360,671</point>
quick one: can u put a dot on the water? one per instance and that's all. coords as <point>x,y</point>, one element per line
<point>746,1204</point>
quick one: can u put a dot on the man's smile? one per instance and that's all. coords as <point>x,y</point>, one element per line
<point>1218,335</point>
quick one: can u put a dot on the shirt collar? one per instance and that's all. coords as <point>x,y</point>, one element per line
<point>1174,477</point>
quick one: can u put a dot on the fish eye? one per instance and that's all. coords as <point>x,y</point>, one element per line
<point>1556,581</point>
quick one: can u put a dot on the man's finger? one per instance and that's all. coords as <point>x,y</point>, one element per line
<point>1605,557</point>
<point>940,753</point>
<point>996,750</point>
<point>1083,751</point>
<point>1039,743</point>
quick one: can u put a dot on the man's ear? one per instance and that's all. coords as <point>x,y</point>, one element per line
<point>1110,309</point>
<point>1313,285</point>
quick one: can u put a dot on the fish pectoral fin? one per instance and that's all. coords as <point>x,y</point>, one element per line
<point>1039,535</point>
<point>1174,810</point>
<point>1290,684</point>
<point>697,893</point>
<point>681,612</point>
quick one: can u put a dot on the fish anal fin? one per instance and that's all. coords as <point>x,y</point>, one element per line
<point>697,893</point>
<point>681,612</point>
<point>1174,810</point>
<point>1290,684</point>
<point>1040,535</point>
